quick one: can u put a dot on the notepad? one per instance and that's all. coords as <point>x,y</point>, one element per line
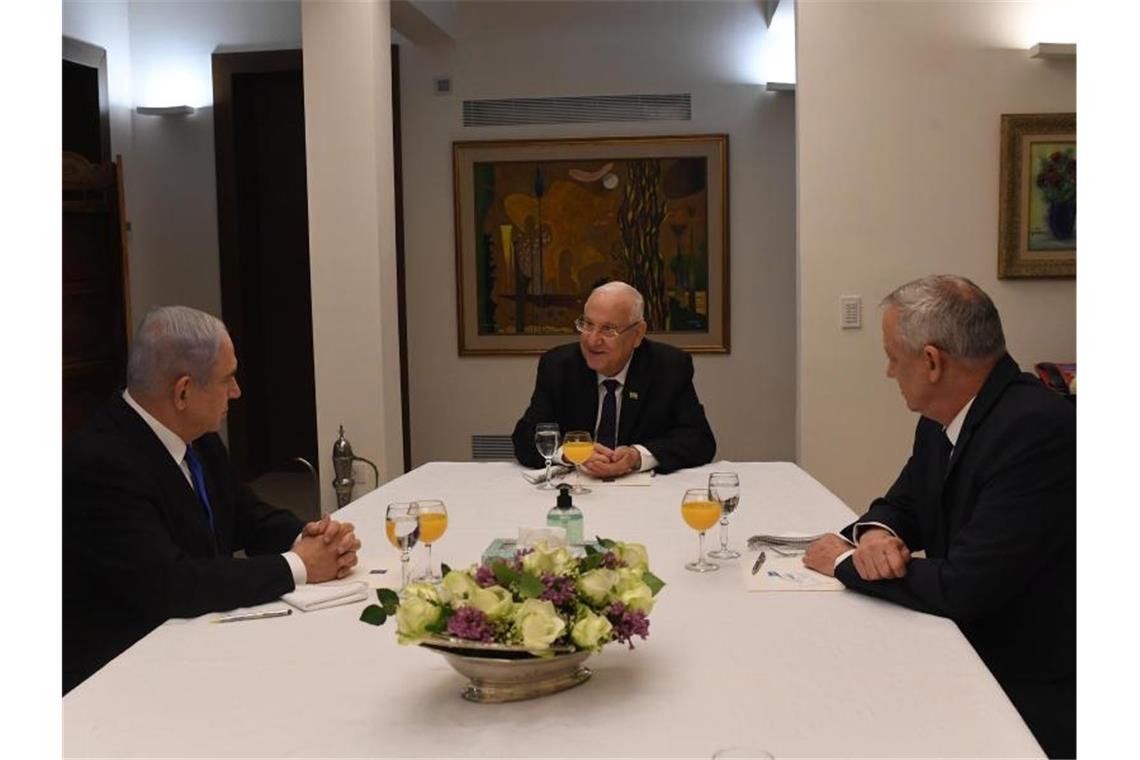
<point>786,574</point>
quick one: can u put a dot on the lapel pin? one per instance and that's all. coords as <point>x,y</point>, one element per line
<point>633,395</point>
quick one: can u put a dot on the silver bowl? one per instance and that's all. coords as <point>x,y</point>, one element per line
<point>504,673</point>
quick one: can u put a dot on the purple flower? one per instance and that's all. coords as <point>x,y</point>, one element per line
<point>485,577</point>
<point>610,561</point>
<point>559,589</point>
<point>627,623</point>
<point>472,624</point>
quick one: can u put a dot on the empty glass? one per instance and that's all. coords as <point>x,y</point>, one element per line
<point>725,488</point>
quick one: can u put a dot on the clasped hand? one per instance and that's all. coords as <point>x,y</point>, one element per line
<point>611,463</point>
<point>328,549</point>
<point>880,555</point>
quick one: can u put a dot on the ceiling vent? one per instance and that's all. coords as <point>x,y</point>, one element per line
<point>577,110</point>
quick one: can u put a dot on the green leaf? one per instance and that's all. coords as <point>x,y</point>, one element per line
<point>440,625</point>
<point>503,574</point>
<point>605,542</point>
<point>591,562</point>
<point>444,568</point>
<point>655,584</point>
<point>590,550</point>
<point>529,586</point>
<point>388,600</point>
<point>373,615</point>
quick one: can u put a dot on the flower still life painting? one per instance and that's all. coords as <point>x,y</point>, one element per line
<point>541,223</point>
<point>1038,210</point>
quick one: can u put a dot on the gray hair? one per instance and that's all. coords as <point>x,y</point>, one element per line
<point>171,342</point>
<point>949,312</point>
<point>618,288</point>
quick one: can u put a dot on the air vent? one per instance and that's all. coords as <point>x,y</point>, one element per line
<point>492,448</point>
<point>577,110</point>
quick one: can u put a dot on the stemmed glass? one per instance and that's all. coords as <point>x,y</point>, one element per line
<point>725,488</point>
<point>578,446</point>
<point>546,441</point>
<point>403,530</point>
<point>432,515</point>
<point>700,511</point>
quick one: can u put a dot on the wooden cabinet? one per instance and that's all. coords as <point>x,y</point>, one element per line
<point>96,295</point>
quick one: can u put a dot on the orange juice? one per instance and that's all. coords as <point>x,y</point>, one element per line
<point>578,452</point>
<point>700,515</point>
<point>432,526</point>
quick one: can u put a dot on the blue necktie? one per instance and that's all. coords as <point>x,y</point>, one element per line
<point>199,479</point>
<point>607,425</point>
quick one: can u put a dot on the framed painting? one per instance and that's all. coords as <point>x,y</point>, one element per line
<point>1037,214</point>
<point>541,223</point>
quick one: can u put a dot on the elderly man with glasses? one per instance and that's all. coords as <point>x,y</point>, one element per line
<point>636,396</point>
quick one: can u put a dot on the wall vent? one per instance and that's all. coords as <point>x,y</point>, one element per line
<point>492,448</point>
<point>577,110</point>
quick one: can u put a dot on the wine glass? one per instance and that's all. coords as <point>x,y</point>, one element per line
<point>546,441</point>
<point>432,515</point>
<point>700,511</point>
<point>403,529</point>
<point>725,488</point>
<point>578,446</point>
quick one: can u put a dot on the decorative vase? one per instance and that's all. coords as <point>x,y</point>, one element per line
<point>1062,219</point>
<point>502,673</point>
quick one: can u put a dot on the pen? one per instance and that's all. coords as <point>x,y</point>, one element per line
<point>759,562</point>
<point>252,616</point>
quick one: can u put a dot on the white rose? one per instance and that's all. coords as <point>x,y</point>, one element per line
<point>633,555</point>
<point>591,631</point>
<point>413,616</point>
<point>459,583</point>
<point>596,585</point>
<point>495,602</point>
<point>538,625</point>
<point>633,592</point>
<point>429,592</point>
<point>543,559</point>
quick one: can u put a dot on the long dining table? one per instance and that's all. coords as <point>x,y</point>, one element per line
<point>724,669</point>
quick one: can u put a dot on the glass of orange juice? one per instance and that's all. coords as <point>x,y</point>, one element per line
<point>701,511</point>
<point>577,447</point>
<point>432,515</point>
<point>403,530</point>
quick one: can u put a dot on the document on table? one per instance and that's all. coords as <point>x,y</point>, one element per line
<point>632,479</point>
<point>786,574</point>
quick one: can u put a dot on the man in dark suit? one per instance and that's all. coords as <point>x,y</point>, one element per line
<point>636,396</point>
<point>989,493</point>
<point>152,511</point>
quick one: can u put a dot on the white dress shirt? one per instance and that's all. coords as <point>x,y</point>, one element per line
<point>648,461</point>
<point>177,449</point>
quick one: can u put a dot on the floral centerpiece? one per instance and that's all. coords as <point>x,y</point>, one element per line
<point>545,601</point>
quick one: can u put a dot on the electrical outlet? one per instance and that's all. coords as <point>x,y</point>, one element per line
<point>850,312</point>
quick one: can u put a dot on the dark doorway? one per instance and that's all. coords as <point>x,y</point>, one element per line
<point>263,237</point>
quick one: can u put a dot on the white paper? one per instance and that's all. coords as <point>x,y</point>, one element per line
<point>786,574</point>
<point>632,479</point>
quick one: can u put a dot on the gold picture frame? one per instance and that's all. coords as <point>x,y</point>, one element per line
<point>540,223</point>
<point>1037,235</point>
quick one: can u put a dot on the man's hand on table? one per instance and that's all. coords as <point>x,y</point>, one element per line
<point>822,553</point>
<point>880,555</point>
<point>328,549</point>
<point>612,463</point>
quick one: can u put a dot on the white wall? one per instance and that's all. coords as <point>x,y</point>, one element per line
<point>710,49</point>
<point>106,24</point>
<point>171,192</point>
<point>899,108</point>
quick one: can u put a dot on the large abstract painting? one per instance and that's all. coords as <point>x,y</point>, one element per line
<point>1037,217</point>
<point>541,223</point>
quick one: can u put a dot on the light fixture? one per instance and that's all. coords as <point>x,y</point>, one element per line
<point>1053,50</point>
<point>780,87</point>
<point>165,110</point>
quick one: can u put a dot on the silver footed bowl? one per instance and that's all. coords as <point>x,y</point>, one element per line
<point>508,673</point>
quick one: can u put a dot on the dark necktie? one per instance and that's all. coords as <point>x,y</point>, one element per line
<point>199,479</point>
<point>607,425</point>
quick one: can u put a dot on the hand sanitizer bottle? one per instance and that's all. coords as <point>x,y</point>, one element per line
<point>565,515</point>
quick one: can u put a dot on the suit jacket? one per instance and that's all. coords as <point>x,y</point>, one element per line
<point>659,406</point>
<point>137,545</point>
<point>998,523</point>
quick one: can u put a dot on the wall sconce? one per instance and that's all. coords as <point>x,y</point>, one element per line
<point>1053,50</point>
<point>165,110</point>
<point>780,87</point>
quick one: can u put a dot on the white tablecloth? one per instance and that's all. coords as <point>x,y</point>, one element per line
<point>796,674</point>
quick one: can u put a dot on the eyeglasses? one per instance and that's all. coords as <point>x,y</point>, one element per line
<point>585,326</point>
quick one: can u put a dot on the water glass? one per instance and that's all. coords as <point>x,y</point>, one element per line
<point>546,436</point>
<point>725,488</point>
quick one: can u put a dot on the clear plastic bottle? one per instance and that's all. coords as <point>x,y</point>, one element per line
<point>565,515</point>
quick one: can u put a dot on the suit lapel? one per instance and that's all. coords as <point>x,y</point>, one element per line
<point>632,395</point>
<point>169,475</point>
<point>1003,373</point>
<point>583,389</point>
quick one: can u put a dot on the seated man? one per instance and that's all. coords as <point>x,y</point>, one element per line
<point>634,395</point>
<point>989,493</point>
<point>152,511</point>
